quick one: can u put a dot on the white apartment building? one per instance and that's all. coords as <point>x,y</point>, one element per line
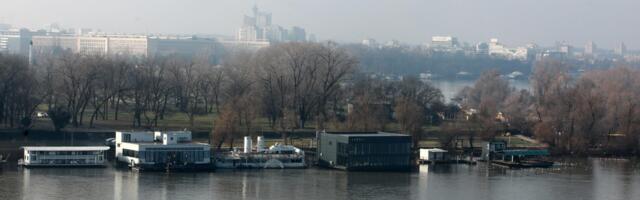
<point>105,45</point>
<point>499,50</point>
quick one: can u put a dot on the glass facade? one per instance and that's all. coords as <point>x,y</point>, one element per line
<point>376,155</point>
<point>65,157</point>
<point>163,155</point>
<point>367,152</point>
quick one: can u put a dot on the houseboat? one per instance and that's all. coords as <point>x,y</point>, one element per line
<point>64,156</point>
<point>364,151</point>
<point>433,156</point>
<point>161,151</point>
<point>497,153</point>
<point>277,156</point>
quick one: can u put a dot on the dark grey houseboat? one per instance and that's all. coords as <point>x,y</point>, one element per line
<point>364,151</point>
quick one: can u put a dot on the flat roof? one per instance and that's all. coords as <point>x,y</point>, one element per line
<point>436,150</point>
<point>66,148</point>
<point>168,145</point>
<point>368,134</point>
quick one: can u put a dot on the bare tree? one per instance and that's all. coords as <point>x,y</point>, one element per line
<point>410,119</point>
<point>18,89</point>
<point>369,109</point>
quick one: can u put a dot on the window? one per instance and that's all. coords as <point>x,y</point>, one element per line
<point>126,137</point>
<point>129,153</point>
<point>342,148</point>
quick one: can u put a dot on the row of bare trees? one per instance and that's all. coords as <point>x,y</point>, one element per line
<point>292,86</point>
<point>18,91</point>
<point>598,110</point>
<point>595,111</point>
<point>283,87</point>
<point>93,87</point>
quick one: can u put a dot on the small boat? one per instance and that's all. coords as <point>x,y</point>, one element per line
<point>278,156</point>
<point>523,164</point>
<point>3,159</point>
<point>536,163</point>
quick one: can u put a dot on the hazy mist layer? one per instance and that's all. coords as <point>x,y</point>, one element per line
<point>412,21</point>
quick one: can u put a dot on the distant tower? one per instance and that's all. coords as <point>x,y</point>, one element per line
<point>255,10</point>
<point>30,52</point>
<point>621,50</point>
<point>590,48</point>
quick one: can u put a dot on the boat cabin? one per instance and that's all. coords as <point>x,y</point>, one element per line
<point>64,156</point>
<point>434,155</point>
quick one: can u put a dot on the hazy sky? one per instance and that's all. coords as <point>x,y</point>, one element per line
<point>514,22</point>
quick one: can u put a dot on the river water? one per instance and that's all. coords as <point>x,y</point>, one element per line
<point>587,179</point>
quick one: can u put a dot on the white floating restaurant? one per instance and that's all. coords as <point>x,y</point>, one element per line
<point>173,150</point>
<point>64,156</point>
<point>278,156</point>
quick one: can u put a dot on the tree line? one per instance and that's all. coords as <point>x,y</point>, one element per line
<point>292,86</point>
<point>593,112</point>
<point>288,86</point>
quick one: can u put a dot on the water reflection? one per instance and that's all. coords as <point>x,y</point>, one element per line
<point>585,179</point>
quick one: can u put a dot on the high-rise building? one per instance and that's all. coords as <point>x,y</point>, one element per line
<point>259,29</point>
<point>312,38</point>
<point>482,48</point>
<point>565,48</point>
<point>590,48</point>
<point>297,34</point>
<point>263,19</point>
<point>370,42</point>
<point>621,49</point>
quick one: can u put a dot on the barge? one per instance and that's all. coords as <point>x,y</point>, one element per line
<point>63,156</point>
<point>440,156</point>
<point>496,153</point>
<point>278,156</point>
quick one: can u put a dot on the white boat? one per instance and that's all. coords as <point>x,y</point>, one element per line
<point>64,156</point>
<point>3,158</point>
<point>278,156</point>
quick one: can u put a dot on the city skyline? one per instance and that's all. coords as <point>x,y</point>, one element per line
<point>413,22</point>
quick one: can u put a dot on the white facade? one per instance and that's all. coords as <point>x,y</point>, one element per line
<point>444,41</point>
<point>433,155</point>
<point>590,48</point>
<point>127,45</point>
<point>499,50</point>
<point>131,45</point>
<point>72,156</point>
<point>144,149</point>
<point>10,41</point>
